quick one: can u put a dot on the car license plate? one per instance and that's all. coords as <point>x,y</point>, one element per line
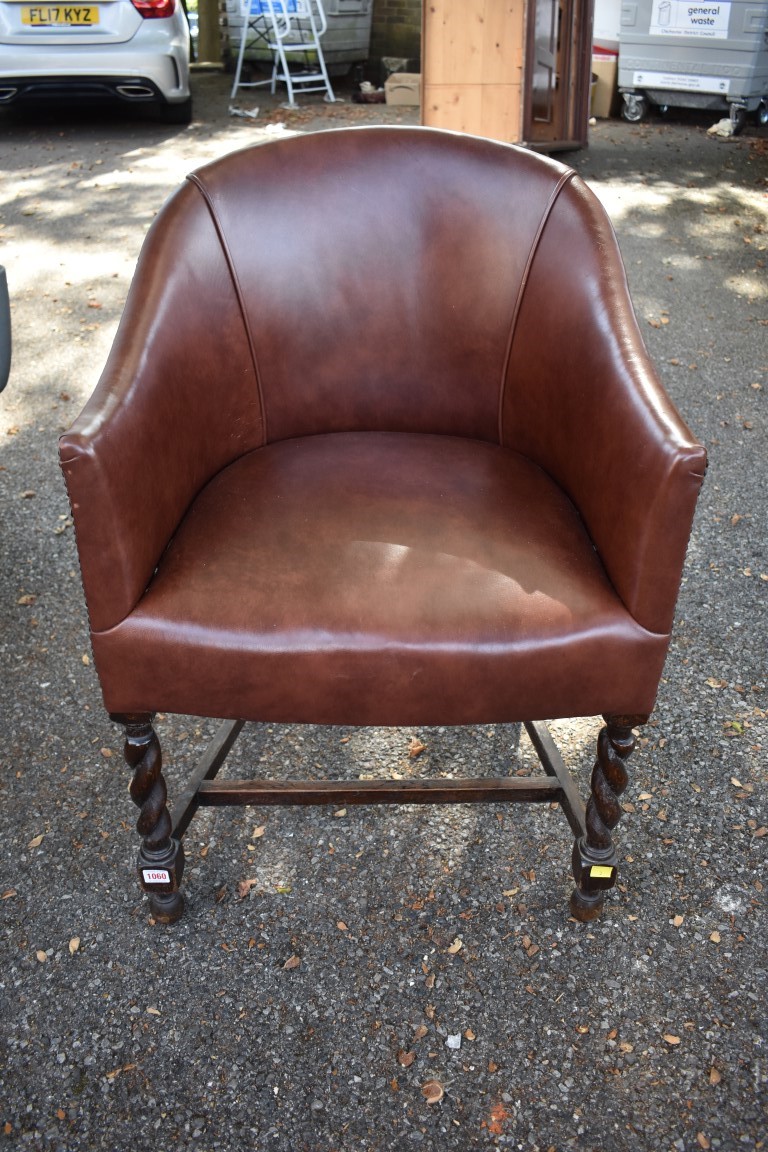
<point>44,15</point>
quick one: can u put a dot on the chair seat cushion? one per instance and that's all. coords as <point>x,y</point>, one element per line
<point>380,578</point>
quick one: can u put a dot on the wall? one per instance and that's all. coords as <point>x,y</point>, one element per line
<point>396,29</point>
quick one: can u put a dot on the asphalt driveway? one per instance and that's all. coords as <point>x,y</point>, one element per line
<point>315,987</point>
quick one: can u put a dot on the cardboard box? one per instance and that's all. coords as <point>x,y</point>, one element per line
<point>403,88</point>
<point>605,98</point>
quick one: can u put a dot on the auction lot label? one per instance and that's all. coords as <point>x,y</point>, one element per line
<point>676,18</point>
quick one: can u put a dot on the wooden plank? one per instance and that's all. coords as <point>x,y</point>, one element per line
<point>541,789</point>
<point>456,107</point>
<point>473,58</point>
<point>210,763</point>
<point>552,763</point>
<point>491,110</point>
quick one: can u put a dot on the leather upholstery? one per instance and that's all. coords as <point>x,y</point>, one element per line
<point>379,443</point>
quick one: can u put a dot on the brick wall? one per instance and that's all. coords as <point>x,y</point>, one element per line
<point>396,29</point>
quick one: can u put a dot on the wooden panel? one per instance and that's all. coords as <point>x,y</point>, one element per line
<point>492,110</point>
<point>472,62</point>
<point>528,790</point>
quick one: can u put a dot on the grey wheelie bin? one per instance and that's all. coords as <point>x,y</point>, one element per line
<point>714,55</point>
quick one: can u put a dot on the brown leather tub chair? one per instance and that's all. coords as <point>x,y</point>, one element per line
<point>379,443</point>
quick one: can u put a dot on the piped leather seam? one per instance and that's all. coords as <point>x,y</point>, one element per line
<point>564,179</point>
<point>208,199</point>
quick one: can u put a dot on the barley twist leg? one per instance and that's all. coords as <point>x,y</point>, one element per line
<point>594,854</point>
<point>161,858</point>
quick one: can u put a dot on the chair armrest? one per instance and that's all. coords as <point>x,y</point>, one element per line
<point>583,400</point>
<point>178,400</point>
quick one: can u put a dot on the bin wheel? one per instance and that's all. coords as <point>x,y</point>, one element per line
<point>762,113</point>
<point>635,107</point>
<point>738,118</point>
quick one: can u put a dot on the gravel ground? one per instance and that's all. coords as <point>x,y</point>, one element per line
<point>316,983</point>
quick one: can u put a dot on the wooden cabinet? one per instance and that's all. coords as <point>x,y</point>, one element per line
<point>514,70</point>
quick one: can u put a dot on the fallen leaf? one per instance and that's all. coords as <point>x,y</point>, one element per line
<point>420,1032</point>
<point>492,1066</point>
<point>8,893</point>
<point>292,962</point>
<point>415,748</point>
<point>61,1114</point>
<point>244,888</point>
<point>702,1140</point>
<point>153,1012</point>
<point>74,944</point>
<point>469,1034</point>
<point>678,920</point>
<point>341,812</point>
<point>715,937</point>
<point>86,658</point>
<point>41,956</point>
<point>36,842</point>
<point>432,1091</point>
<point>258,832</point>
<point>116,1071</point>
<point>28,495</point>
<point>405,1059</point>
<point>714,1076</point>
<point>457,946</point>
<point>26,599</point>
<point>671,1038</point>
<point>342,927</point>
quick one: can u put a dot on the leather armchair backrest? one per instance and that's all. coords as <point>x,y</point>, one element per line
<point>378,274</point>
<point>401,280</point>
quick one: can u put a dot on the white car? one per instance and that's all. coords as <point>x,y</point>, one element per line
<point>130,52</point>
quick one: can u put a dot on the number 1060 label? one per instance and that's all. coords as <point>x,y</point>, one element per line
<point>156,875</point>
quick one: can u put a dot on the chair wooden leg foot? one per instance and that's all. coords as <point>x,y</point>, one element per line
<point>586,906</point>
<point>161,858</point>
<point>595,864</point>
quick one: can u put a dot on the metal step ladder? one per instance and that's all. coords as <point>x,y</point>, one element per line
<point>287,29</point>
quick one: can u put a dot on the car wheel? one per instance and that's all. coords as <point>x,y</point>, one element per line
<point>176,113</point>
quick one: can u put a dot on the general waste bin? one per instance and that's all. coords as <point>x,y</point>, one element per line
<point>675,53</point>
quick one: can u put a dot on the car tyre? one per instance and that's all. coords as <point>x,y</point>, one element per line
<point>176,113</point>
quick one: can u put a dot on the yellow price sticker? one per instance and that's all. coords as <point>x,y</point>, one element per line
<point>600,872</point>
